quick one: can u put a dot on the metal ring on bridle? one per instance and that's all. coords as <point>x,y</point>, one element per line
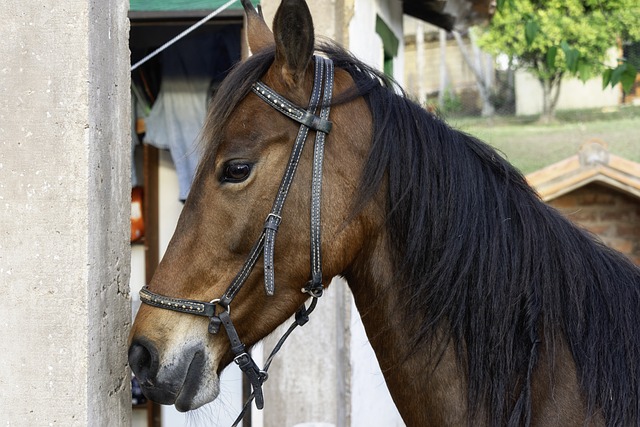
<point>216,301</point>
<point>316,293</point>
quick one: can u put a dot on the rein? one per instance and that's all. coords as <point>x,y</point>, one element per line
<point>320,100</point>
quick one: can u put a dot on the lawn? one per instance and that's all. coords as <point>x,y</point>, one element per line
<point>531,146</point>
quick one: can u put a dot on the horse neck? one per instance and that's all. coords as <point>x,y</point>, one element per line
<point>425,383</point>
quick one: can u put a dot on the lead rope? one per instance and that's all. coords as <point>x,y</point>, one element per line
<point>302,317</point>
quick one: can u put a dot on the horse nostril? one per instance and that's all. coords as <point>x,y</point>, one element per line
<point>143,359</point>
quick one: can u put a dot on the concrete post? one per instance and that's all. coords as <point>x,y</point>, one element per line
<point>64,213</point>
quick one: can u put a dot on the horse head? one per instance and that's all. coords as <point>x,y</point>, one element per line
<point>213,262</point>
<point>484,305</point>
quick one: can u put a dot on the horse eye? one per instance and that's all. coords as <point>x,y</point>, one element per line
<point>236,172</point>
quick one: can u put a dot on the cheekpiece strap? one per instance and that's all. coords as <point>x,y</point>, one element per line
<point>323,76</point>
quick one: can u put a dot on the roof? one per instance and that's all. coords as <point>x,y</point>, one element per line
<point>593,163</point>
<point>451,14</point>
<point>158,5</point>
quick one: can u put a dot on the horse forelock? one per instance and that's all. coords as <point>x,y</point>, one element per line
<point>233,89</point>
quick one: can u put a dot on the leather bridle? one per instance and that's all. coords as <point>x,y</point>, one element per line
<point>320,99</point>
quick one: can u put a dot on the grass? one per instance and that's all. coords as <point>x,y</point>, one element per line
<point>531,146</point>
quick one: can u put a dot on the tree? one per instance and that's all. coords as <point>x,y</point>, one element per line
<point>475,62</point>
<point>554,38</point>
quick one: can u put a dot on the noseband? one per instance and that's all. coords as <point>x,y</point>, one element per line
<point>320,100</point>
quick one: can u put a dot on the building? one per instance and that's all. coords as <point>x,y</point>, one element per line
<point>599,191</point>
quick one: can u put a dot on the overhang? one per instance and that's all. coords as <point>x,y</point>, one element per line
<point>451,14</point>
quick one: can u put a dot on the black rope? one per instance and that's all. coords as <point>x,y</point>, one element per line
<point>301,317</point>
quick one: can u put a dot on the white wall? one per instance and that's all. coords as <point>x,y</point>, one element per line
<point>371,402</point>
<point>573,94</point>
<point>366,44</point>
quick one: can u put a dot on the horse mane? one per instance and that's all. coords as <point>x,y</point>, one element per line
<point>478,253</point>
<point>481,257</point>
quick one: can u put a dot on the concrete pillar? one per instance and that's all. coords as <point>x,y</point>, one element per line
<point>309,378</point>
<point>64,213</point>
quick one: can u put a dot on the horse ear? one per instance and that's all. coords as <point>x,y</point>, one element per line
<point>259,35</point>
<point>293,32</point>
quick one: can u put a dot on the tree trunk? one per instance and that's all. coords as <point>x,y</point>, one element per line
<point>444,80</point>
<point>483,88</point>
<point>550,96</point>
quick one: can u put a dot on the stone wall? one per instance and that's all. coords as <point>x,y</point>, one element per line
<point>612,215</point>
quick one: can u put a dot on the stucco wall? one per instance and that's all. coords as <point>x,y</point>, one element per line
<point>64,213</point>
<point>574,94</point>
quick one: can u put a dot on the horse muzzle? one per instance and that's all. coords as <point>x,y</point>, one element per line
<point>183,379</point>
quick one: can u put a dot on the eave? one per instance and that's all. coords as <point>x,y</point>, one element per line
<point>451,15</point>
<point>593,163</point>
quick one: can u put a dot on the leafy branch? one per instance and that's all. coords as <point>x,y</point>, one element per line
<point>575,62</point>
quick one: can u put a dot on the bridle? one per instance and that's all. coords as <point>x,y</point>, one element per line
<point>320,99</point>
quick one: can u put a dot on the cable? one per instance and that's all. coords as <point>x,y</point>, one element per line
<point>183,34</point>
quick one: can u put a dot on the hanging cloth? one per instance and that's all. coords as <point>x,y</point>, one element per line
<point>189,69</point>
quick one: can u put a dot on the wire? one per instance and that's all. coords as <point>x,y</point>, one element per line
<point>183,34</point>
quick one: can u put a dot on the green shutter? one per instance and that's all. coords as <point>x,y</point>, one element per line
<point>390,44</point>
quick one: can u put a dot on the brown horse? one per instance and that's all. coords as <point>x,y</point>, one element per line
<point>484,305</point>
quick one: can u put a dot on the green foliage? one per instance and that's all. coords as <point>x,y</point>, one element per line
<point>625,74</point>
<point>451,103</point>
<point>551,38</point>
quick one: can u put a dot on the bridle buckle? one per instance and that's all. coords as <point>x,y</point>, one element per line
<point>314,286</point>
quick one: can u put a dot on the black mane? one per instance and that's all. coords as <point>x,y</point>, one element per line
<point>482,257</point>
<point>506,274</point>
